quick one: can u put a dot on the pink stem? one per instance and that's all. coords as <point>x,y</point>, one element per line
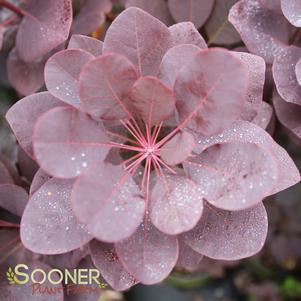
<point>132,158</point>
<point>158,131</point>
<point>127,147</point>
<point>138,131</point>
<point>123,137</point>
<point>8,224</point>
<point>134,133</point>
<point>137,162</point>
<point>166,166</point>
<point>144,174</point>
<point>17,10</point>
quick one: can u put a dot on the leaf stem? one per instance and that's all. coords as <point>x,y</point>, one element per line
<point>10,6</point>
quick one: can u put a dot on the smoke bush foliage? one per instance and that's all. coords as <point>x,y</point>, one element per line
<point>152,147</point>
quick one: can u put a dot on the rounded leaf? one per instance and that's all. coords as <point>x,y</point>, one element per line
<point>234,176</point>
<point>284,73</point>
<point>88,44</point>
<point>177,149</point>
<point>108,201</point>
<point>48,225</point>
<point>219,30</point>
<point>140,37</point>
<point>29,109</point>
<point>149,255</point>
<point>175,59</point>
<point>227,235</point>
<point>62,73</point>
<point>68,142</point>
<point>264,31</point>
<point>91,16</point>
<point>211,107</point>
<point>46,27</point>
<point>26,78</point>
<point>196,11</point>
<point>106,260</point>
<point>105,82</point>
<point>292,11</point>
<point>256,69</point>
<point>157,8</point>
<point>176,204</point>
<point>153,101</point>
<point>245,132</point>
<point>186,33</point>
<point>289,114</point>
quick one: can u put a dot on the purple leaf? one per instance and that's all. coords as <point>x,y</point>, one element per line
<point>292,11</point>
<point>264,31</point>
<point>188,258</point>
<point>46,27</point>
<point>91,16</point>
<point>26,78</point>
<point>157,8</point>
<point>105,82</point>
<point>211,91</point>
<point>186,33</point>
<point>234,176</point>
<point>289,114</point>
<point>69,260</point>
<point>227,235</point>
<point>256,69</point>
<point>298,71</point>
<point>67,142</point>
<point>40,178</point>
<point>62,74</point>
<point>174,60</point>
<point>285,74</point>
<point>109,202</point>
<point>274,5</point>
<point>153,101</point>
<point>177,149</point>
<point>13,198</point>
<point>218,28</point>
<point>139,37</point>
<point>176,204</point>
<point>149,255</point>
<point>88,44</point>
<point>5,177</point>
<point>107,262</point>
<point>48,225</point>
<point>196,11</point>
<point>27,166</point>
<point>264,116</point>
<point>245,132</point>
<point>30,109</point>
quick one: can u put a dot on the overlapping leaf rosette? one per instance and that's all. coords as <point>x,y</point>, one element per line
<point>271,29</point>
<point>149,151</point>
